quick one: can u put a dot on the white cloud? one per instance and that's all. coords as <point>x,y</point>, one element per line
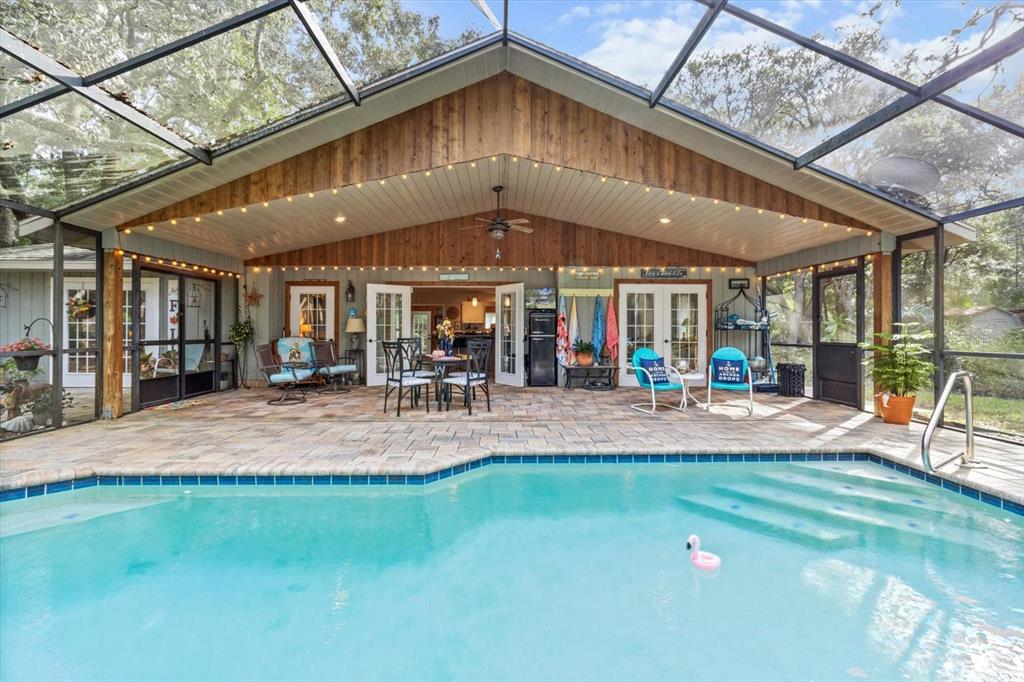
<point>574,14</point>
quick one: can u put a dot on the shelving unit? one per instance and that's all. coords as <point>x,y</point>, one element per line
<point>752,336</point>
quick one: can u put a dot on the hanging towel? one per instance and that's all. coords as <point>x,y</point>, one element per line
<point>562,342</point>
<point>574,331</point>
<point>611,331</point>
<point>598,328</point>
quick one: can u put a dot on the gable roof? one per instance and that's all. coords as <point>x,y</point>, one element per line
<point>476,62</point>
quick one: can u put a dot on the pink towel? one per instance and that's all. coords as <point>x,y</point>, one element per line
<point>611,331</point>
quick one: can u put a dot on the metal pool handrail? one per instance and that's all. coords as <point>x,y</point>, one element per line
<point>967,456</point>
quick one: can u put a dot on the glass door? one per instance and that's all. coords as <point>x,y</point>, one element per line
<point>670,319</point>
<point>389,313</point>
<point>176,323</point>
<point>837,328</point>
<point>509,334</point>
<point>198,361</point>
<point>312,311</point>
<point>422,327</point>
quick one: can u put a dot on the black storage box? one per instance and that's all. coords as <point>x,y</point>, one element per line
<point>791,379</point>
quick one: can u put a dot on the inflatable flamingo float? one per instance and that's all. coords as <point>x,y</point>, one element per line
<point>705,561</point>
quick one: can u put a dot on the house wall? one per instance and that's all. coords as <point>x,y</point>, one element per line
<point>270,281</point>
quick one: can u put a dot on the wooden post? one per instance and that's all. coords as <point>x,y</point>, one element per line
<point>113,329</point>
<point>883,296</point>
<point>883,293</point>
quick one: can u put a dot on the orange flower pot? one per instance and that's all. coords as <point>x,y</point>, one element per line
<point>898,409</point>
<point>584,359</point>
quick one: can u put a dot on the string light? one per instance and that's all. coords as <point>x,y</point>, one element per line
<point>310,195</point>
<point>149,227</point>
<point>197,219</point>
<point>288,199</point>
<point>174,221</point>
<point>220,212</point>
<point>266,204</point>
<point>128,230</point>
<point>244,209</point>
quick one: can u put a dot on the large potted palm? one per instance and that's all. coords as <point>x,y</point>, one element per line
<point>900,369</point>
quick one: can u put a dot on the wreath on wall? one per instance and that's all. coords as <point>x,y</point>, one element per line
<point>82,305</point>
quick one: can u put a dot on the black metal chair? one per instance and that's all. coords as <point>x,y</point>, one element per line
<point>413,346</point>
<point>479,352</point>
<point>398,378</point>
<point>289,379</point>
<point>331,367</point>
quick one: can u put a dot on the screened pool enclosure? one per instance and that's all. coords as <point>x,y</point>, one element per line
<point>919,104</point>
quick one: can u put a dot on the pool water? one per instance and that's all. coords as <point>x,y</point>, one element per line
<point>829,571</point>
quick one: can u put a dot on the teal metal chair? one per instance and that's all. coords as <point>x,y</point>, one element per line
<point>729,370</point>
<point>643,377</point>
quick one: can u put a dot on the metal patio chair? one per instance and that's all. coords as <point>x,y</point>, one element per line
<point>331,367</point>
<point>289,379</point>
<point>479,352</point>
<point>398,378</point>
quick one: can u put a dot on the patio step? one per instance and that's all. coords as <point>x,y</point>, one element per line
<point>772,522</point>
<point>854,514</point>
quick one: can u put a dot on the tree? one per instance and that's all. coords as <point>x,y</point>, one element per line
<point>229,85</point>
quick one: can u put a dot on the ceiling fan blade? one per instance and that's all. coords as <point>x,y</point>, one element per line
<point>517,221</point>
<point>520,228</point>
<point>483,220</point>
<point>471,227</point>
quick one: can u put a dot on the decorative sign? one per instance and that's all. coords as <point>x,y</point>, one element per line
<point>739,282</point>
<point>453,276</point>
<point>586,274</point>
<point>664,273</point>
<point>728,371</point>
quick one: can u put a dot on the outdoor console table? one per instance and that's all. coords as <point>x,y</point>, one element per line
<point>595,377</point>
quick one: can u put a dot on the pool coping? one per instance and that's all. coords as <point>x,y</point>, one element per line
<point>243,478</point>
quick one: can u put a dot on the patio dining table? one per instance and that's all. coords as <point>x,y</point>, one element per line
<point>442,366</point>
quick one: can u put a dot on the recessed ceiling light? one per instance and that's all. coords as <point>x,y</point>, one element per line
<point>664,220</point>
<point>339,219</point>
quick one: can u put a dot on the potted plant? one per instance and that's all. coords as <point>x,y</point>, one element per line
<point>585,351</point>
<point>26,352</point>
<point>81,306</point>
<point>900,369</point>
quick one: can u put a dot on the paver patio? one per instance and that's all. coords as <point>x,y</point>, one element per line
<point>238,433</point>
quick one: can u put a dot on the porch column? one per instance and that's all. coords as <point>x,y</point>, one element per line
<point>113,326</point>
<point>883,293</point>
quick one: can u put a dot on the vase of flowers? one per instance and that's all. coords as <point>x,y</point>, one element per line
<point>446,335</point>
<point>26,352</point>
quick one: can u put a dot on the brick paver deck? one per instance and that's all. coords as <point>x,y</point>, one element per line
<point>238,433</point>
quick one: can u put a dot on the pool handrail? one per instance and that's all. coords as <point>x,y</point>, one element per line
<point>967,456</point>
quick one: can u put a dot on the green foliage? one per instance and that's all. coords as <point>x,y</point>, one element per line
<point>581,346</point>
<point>898,365</point>
<point>242,333</point>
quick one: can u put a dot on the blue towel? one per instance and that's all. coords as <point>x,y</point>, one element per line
<point>598,327</point>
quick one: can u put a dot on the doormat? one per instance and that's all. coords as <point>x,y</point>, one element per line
<point>181,404</point>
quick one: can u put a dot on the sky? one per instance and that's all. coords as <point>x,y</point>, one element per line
<point>638,39</point>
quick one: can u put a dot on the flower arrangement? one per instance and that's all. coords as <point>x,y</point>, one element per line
<point>446,334</point>
<point>81,306</point>
<point>26,344</point>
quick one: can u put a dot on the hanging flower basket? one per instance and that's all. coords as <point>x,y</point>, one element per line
<point>26,353</point>
<point>82,305</point>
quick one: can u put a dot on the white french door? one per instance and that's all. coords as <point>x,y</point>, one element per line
<point>508,335</point>
<point>313,311</point>
<point>388,316</point>
<point>80,332</point>
<point>670,319</point>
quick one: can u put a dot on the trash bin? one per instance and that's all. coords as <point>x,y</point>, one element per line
<point>791,379</point>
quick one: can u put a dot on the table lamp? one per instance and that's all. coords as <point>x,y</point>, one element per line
<point>353,327</point>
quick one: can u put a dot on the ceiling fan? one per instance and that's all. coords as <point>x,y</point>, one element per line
<point>497,227</point>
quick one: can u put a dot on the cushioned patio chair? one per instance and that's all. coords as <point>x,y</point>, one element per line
<point>289,379</point>
<point>652,374</point>
<point>479,352</point>
<point>730,371</point>
<point>333,368</point>
<point>397,378</point>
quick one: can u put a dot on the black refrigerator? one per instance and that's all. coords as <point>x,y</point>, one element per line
<point>540,338</point>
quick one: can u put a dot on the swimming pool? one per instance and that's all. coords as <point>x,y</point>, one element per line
<point>839,570</point>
